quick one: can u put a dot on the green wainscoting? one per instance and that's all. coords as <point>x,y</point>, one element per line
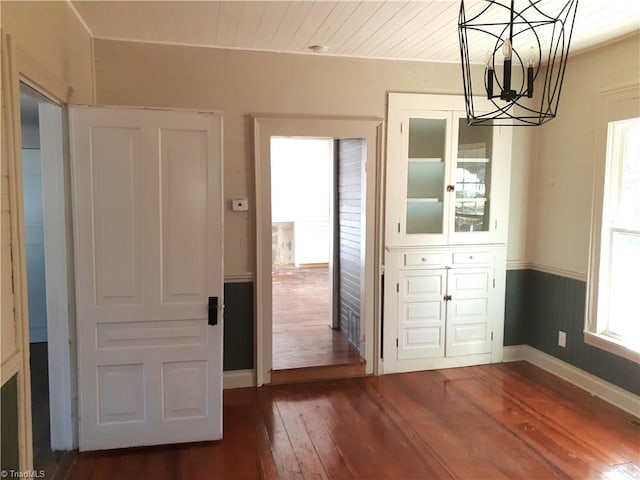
<point>514,312</point>
<point>9,425</point>
<point>539,304</point>
<point>238,326</point>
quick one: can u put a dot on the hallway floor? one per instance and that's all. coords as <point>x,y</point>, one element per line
<point>43,457</point>
<point>302,333</point>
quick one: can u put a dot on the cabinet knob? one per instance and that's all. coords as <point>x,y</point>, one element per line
<point>450,188</point>
<point>423,259</point>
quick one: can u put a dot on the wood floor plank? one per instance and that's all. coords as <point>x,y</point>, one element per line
<point>330,455</point>
<point>354,449</point>
<point>162,464</point>
<point>444,417</point>
<point>566,451</point>
<point>301,442</point>
<point>388,442</point>
<point>609,427</point>
<point>283,454</point>
<point>490,422</point>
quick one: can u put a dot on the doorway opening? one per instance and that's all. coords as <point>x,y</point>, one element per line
<point>45,246</point>
<point>317,216</point>
<point>359,138</point>
<point>306,328</point>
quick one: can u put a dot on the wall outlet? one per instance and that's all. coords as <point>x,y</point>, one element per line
<point>562,338</point>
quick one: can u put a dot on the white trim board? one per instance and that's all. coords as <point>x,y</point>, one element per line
<point>608,392</point>
<point>517,265</point>
<point>561,272</point>
<point>239,379</point>
<point>247,277</point>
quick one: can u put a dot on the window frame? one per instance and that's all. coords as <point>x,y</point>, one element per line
<point>607,180</point>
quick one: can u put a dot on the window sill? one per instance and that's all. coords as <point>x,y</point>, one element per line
<point>612,345</point>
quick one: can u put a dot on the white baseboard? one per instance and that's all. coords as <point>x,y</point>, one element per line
<point>513,353</point>
<point>613,394</point>
<point>239,379</point>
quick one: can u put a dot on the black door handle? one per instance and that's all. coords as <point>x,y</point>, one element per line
<point>213,311</point>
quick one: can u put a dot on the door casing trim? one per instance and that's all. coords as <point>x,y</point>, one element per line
<point>265,127</point>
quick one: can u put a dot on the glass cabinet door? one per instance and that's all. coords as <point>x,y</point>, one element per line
<point>472,178</point>
<point>425,175</point>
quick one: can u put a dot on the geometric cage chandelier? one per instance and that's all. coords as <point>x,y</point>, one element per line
<point>517,39</point>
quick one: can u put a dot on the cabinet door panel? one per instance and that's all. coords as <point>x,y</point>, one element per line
<point>448,183</point>
<point>468,320</point>
<point>422,156</point>
<point>421,314</point>
<point>479,164</point>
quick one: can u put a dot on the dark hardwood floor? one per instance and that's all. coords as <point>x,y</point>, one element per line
<point>302,333</point>
<point>504,421</point>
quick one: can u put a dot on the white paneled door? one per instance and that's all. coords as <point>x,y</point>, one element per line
<point>147,196</point>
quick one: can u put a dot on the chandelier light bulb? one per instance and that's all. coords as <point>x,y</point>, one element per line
<point>488,60</point>
<point>532,57</point>
<point>506,49</point>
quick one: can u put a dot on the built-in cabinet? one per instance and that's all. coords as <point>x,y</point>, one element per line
<point>446,228</point>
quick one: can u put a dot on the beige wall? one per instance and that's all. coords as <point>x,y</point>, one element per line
<point>562,169</point>
<point>53,45</point>
<point>243,83</point>
<point>51,48</point>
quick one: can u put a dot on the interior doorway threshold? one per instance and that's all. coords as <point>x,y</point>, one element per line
<point>314,374</point>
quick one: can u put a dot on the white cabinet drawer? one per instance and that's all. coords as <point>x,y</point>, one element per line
<point>429,258</point>
<point>471,257</point>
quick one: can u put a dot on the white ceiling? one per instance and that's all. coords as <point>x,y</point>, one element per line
<point>409,30</point>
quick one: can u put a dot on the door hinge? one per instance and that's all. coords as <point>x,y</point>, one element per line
<point>496,225</point>
<point>398,227</point>
<point>492,336</point>
<point>398,287</point>
<point>401,127</point>
<point>494,283</point>
<point>397,343</point>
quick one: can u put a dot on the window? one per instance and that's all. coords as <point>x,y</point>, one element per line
<point>613,313</point>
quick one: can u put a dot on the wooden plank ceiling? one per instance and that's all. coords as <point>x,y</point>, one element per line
<point>408,30</point>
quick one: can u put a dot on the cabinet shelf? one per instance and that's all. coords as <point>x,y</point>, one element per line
<point>424,200</point>
<point>424,160</point>
<point>473,160</point>
<point>471,199</point>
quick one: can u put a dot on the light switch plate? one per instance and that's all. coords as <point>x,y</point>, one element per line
<point>240,205</point>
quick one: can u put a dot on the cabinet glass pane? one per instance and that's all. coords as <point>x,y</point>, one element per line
<point>427,137</point>
<point>425,180</point>
<point>473,174</point>
<point>425,175</point>
<point>424,217</point>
